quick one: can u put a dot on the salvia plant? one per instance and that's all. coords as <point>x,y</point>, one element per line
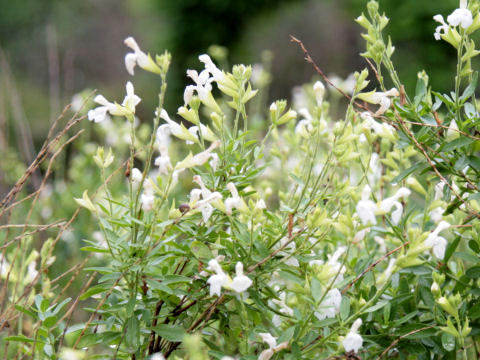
<point>235,229</point>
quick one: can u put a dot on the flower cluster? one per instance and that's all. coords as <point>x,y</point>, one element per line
<point>461,16</point>
<point>219,279</point>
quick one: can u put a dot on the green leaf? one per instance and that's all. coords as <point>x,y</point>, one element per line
<point>73,328</point>
<point>451,249</point>
<point>418,167</point>
<point>41,303</point>
<point>132,336</point>
<point>467,256</point>
<point>420,91</point>
<point>376,306</point>
<point>26,311</point>
<point>472,244</point>
<point>131,305</point>
<point>200,250</point>
<point>104,337</point>
<point>470,89</point>
<point>473,272</point>
<point>93,291</point>
<point>457,143</point>
<point>448,341</point>
<point>316,289</point>
<point>405,319</point>
<point>50,321</point>
<point>286,335</point>
<point>22,338</point>
<point>345,307</point>
<point>94,249</point>
<point>170,332</point>
<point>56,309</point>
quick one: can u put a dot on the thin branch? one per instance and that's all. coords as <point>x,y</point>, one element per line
<point>373,265</point>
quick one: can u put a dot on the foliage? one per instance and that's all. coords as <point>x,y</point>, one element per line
<point>259,232</point>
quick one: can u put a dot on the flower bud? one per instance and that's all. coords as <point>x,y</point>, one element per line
<point>447,306</point>
<point>372,7</point>
<point>363,22</point>
<point>435,289</point>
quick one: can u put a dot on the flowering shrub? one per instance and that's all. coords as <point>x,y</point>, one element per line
<point>279,233</point>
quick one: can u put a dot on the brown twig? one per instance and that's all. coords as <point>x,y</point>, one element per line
<point>403,336</point>
<point>373,265</point>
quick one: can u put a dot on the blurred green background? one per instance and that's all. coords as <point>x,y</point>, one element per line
<point>52,49</point>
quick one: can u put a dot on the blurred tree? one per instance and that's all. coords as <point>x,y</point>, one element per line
<point>19,18</point>
<point>196,24</point>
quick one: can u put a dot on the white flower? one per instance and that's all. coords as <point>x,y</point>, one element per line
<point>284,308</point>
<point>203,88</point>
<point>188,94</point>
<point>387,204</point>
<point>4,267</point>
<point>346,85</point>
<point>163,161</point>
<point>202,79</point>
<point>437,214</point>
<point>198,159</point>
<point>330,306</point>
<point>136,175</point>
<point>240,282</point>
<point>353,341</point>
<point>217,280</point>
<point>207,134</point>
<point>381,242</point>
<point>138,57</point>
<point>334,266</point>
<point>304,126</point>
<point>380,98</point>
<point>77,102</point>
<point>436,242</point>
<point>234,202</point>
<point>388,271</point>
<point>366,208</point>
<point>397,213</point>
<point>205,207</point>
<point>439,190</point>
<point>164,164</point>
<point>32,271</point>
<point>462,17</point>
<point>214,161</point>
<point>127,108</point>
<point>176,130</point>
<point>198,179</point>
<point>147,197</point>
<point>273,347</point>
<point>131,100</point>
<point>163,135</point>
<point>260,204</point>
<point>319,91</point>
<point>157,356</point>
<point>441,29</point>
<point>452,132</point>
<point>217,74</point>
<point>360,235</point>
<point>382,130</point>
<point>99,114</point>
